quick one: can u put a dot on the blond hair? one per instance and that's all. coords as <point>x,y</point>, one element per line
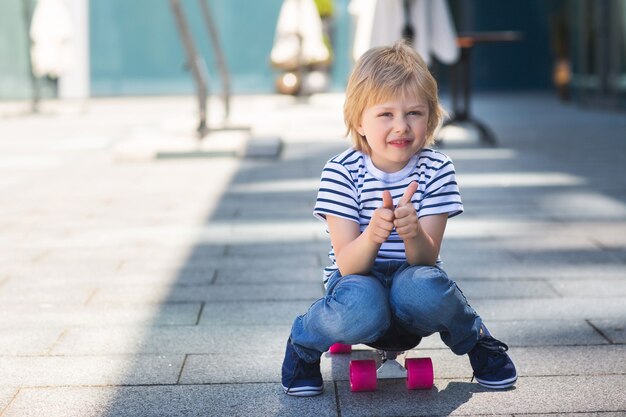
<point>384,73</point>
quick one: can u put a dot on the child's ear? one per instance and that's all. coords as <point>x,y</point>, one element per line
<point>360,130</point>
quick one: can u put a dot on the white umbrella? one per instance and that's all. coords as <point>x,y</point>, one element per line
<point>299,38</point>
<point>52,33</point>
<point>380,23</point>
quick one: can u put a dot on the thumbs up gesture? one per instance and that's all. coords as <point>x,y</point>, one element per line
<point>405,216</point>
<point>381,223</point>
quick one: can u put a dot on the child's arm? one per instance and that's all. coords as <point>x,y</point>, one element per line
<point>422,237</point>
<point>355,252</point>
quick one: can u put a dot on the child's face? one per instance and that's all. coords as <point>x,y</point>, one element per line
<point>395,131</point>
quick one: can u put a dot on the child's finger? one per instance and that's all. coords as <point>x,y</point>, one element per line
<point>386,215</point>
<point>403,211</point>
<point>408,194</point>
<point>387,200</point>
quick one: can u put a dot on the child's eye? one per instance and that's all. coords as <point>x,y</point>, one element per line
<point>385,114</point>
<point>414,113</point>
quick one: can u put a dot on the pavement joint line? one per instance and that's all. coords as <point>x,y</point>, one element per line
<point>337,402</point>
<point>10,402</point>
<point>91,296</point>
<point>120,265</point>
<point>600,332</point>
<point>39,257</point>
<point>182,369</point>
<point>57,342</point>
<point>200,313</point>
<point>551,286</point>
<point>214,277</point>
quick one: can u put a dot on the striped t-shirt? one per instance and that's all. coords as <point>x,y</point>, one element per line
<point>351,187</point>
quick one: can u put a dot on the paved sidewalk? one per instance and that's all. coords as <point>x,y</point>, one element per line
<point>168,287</point>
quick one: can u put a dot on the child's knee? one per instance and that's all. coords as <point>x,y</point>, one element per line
<point>362,307</point>
<point>421,281</point>
<point>422,293</point>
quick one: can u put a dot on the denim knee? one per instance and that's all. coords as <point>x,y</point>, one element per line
<point>421,297</point>
<point>363,308</point>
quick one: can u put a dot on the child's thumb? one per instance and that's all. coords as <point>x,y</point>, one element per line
<point>387,200</point>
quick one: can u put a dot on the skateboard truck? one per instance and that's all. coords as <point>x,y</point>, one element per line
<point>390,368</point>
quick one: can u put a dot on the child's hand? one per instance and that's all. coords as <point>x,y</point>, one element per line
<point>381,224</point>
<point>406,223</point>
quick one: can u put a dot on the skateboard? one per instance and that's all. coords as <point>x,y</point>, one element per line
<point>417,372</point>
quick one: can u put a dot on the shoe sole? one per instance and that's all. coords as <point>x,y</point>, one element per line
<point>303,391</point>
<point>507,383</point>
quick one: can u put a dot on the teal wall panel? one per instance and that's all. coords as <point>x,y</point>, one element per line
<point>136,48</point>
<point>14,49</point>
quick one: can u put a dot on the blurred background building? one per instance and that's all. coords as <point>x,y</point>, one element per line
<point>128,48</point>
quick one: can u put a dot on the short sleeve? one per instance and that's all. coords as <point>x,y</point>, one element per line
<point>337,194</point>
<point>441,194</point>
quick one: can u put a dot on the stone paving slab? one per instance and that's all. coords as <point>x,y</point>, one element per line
<point>176,235</point>
<point>225,368</point>
<point>593,288</point>
<point>89,370</point>
<point>475,289</point>
<point>247,313</point>
<point>544,332</point>
<point>62,315</point>
<point>452,397</point>
<point>12,255</point>
<point>278,275</point>
<point>233,212</point>
<point>562,240</point>
<point>172,340</point>
<point>185,272</point>
<point>271,249</point>
<point>12,294</point>
<point>566,257</point>
<point>556,309</point>
<point>46,272</point>
<point>24,340</point>
<point>228,262</point>
<point>571,360</point>
<point>519,270</point>
<point>162,277</point>
<point>535,333</point>
<point>237,400</point>
<point>207,293</point>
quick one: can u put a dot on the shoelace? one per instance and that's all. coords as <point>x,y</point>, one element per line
<point>495,349</point>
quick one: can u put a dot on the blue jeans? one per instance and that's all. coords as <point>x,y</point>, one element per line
<point>421,300</point>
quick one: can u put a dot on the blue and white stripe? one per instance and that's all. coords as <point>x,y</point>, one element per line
<point>351,187</point>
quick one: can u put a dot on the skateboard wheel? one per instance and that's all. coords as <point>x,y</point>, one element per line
<point>419,373</point>
<point>362,375</point>
<point>340,348</point>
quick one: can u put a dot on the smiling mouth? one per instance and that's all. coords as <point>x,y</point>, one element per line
<point>399,142</point>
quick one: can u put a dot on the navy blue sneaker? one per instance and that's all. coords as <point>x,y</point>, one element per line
<point>493,368</point>
<point>300,378</point>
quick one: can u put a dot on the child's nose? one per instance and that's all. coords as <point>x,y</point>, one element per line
<point>401,125</point>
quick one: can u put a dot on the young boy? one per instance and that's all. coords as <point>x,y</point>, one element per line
<point>386,202</point>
